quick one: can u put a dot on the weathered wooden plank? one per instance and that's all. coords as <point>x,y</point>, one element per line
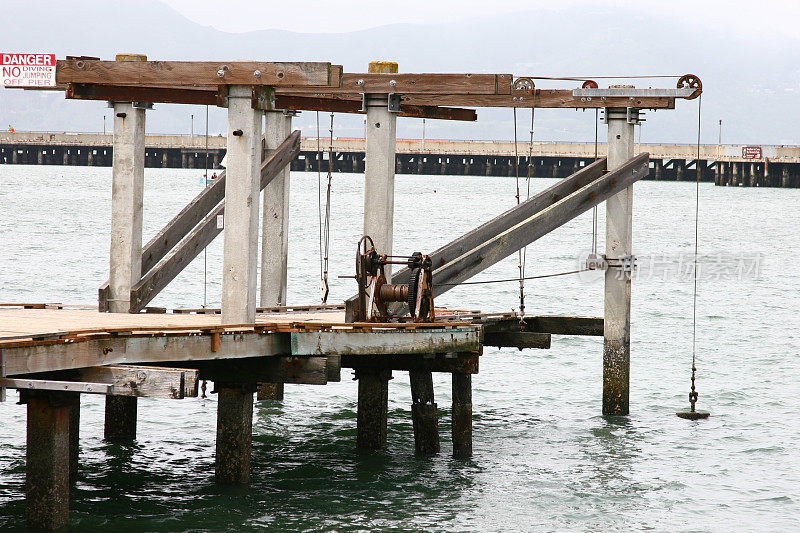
<point>193,73</point>
<point>170,265</point>
<point>510,218</point>
<point>518,339</point>
<point>522,234</point>
<point>128,93</point>
<point>424,83</point>
<point>176,260</point>
<point>177,228</point>
<point>145,381</point>
<point>544,98</point>
<point>169,349</point>
<point>379,342</point>
<point>566,325</point>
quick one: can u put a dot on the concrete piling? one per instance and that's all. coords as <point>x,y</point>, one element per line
<point>234,433</point>
<point>48,460</point>
<point>120,420</point>
<point>424,415</point>
<point>242,192</point>
<point>380,134</point>
<point>373,406</point>
<point>617,322</point>
<point>462,415</point>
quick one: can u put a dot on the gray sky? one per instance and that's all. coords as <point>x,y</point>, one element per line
<point>759,19</point>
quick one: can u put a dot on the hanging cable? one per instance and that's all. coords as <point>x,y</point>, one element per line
<point>693,414</point>
<point>205,250</point>
<point>319,200</point>
<point>594,209</point>
<point>693,394</point>
<point>540,276</point>
<point>327,226</point>
<point>519,253</point>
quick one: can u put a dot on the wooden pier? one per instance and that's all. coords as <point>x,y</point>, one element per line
<point>125,349</point>
<point>724,165</point>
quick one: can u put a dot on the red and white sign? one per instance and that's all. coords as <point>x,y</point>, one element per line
<point>28,70</point>
<point>751,152</point>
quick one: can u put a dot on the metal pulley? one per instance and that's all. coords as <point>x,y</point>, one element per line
<point>375,294</point>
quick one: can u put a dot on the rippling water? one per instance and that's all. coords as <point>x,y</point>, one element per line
<point>544,457</point>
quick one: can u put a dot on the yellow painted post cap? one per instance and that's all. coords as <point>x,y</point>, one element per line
<point>382,67</point>
<point>131,57</point>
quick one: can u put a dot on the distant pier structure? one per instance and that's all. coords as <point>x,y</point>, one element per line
<point>725,165</point>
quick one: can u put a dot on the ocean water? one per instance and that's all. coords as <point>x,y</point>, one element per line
<point>544,458</point>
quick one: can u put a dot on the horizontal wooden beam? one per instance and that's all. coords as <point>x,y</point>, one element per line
<point>466,363</point>
<point>128,93</point>
<point>565,325</point>
<point>382,342</point>
<point>409,83</point>
<point>538,98</point>
<point>518,339</point>
<point>123,380</point>
<point>196,73</point>
<point>340,105</point>
<point>276,369</point>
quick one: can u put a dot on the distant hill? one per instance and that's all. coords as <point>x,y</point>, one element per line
<point>753,85</point>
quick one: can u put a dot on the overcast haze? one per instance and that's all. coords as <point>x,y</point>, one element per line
<point>746,53</point>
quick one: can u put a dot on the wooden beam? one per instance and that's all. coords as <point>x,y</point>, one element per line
<point>466,362</point>
<point>565,325</point>
<point>510,218</point>
<point>194,73</point>
<point>409,83</point>
<point>118,380</point>
<point>539,98</point>
<point>518,339</point>
<point>153,348</point>
<point>189,246</point>
<point>127,93</point>
<point>182,223</point>
<point>312,370</point>
<point>341,105</point>
<point>381,342</point>
<point>539,224</point>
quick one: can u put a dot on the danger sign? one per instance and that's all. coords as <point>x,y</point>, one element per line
<point>751,152</point>
<point>28,70</point>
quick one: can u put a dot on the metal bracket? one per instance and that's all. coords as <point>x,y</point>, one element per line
<point>626,263</point>
<point>393,101</point>
<point>632,115</point>
<point>142,105</point>
<point>66,386</point>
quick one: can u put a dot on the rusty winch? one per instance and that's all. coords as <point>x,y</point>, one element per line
<point>376,296</point>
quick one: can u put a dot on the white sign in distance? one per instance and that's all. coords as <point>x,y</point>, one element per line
<point>28,70</point>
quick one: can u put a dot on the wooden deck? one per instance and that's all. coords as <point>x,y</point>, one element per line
<point>51,339</point>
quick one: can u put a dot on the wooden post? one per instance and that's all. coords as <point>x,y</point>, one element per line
<point>373,406</point>
<point>242,192</point>
<point>47,460</point>
<point>379,172</point>
<point>275,221</point>
<point>462,415</point>
<point>234,434</point>
<point>270,391</point>
<point>120,422</point>
<point>424,415</point>
<point>617,323</point>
